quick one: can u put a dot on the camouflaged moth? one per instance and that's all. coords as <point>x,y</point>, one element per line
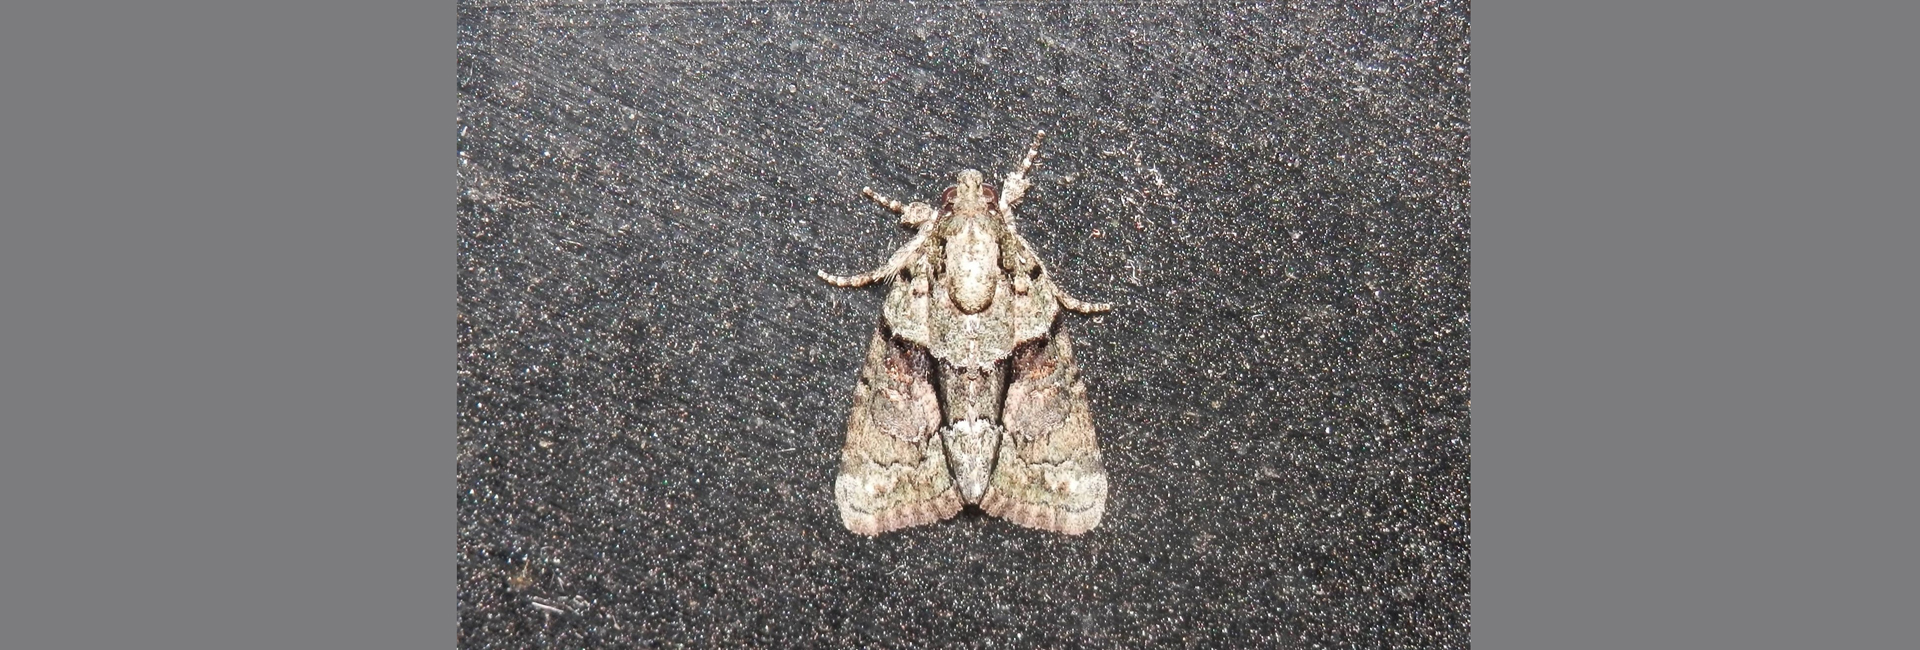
<point>969,393</point>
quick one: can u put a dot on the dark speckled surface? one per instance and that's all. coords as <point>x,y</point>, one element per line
<point>653,385</point>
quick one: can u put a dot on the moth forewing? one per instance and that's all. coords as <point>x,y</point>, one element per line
<point>1048,474</point>
<point>893,471</point>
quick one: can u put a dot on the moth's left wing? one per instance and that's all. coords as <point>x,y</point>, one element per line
<point>1048,474</point>
<point>893,470</point>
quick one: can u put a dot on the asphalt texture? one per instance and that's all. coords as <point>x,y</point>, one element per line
<point>653,385</point>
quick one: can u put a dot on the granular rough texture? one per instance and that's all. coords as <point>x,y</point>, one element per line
<point>654,385</point>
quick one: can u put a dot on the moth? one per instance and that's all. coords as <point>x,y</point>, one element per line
<point>969,394</point>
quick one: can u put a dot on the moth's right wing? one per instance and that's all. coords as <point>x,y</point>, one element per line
<point>1048,475</point>
<point>893,470</point>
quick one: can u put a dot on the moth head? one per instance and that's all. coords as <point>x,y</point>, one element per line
<point>968,186</point>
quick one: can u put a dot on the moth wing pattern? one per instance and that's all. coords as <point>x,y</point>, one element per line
<point>908,304</point>
<point>893,469</point>
<point>1048,474</point>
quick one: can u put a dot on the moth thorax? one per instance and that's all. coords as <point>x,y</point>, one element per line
<point>973,267</point>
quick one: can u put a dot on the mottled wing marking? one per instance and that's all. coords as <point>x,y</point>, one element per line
<point>908,301</point>
<point>893,470</point>
<point>1048,474</point>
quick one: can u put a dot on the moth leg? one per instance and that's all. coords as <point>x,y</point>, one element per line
<point>1015,186</point>
<point>1079,306</point>
<point>890,204</point>
<point>1024,258</point>
<point>900,259</point>
<point>893,469</point>
<point>1048,474</point>
<point>1072,304</point>
<point>914,214</point>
